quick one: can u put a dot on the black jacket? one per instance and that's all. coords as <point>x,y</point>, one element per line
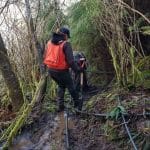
<point>57,39</point>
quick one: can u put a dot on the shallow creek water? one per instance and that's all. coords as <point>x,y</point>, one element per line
<point>47,133</point>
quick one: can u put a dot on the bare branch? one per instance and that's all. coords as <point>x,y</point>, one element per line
<point>7,3</point>
<point>2,8</point>
<point>134,10</point>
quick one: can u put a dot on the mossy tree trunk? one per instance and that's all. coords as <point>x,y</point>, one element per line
<point>10,78</point>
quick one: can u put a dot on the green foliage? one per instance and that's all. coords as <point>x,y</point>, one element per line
<point>49,106</point>
<point>89,33</point>
<point>91,102</point>
<point>115,64</point>
<point>135,72</point>
<point>77,20</point>
<point>4,94</point>
<point>145,30</point>
<point>80,21</point>
<point>86,37</point>
<point>115,113</point>
<point>140,73</point>
<point>51,89</point>
<point>4,100</point>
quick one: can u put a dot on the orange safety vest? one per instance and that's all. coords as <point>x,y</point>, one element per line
<point>55,57</point>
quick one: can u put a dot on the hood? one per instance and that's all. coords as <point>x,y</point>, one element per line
<point>57,38</point>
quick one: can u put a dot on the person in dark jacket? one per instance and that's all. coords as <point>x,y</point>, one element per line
<point>80,60</point>
<point>59,58</point>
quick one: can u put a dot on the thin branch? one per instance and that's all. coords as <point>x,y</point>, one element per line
<point>134,10</point>
<point>6,4</point>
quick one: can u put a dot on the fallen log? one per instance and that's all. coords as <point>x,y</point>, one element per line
<point>26,112</point>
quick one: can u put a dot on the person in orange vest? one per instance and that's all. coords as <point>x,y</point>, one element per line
<point>59,58</point>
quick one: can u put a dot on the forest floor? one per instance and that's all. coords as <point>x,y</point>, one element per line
<point>98,133</point>
<point>87,132</point>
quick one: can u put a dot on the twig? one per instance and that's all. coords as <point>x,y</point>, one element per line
<point>2,9</point>
<point>134,10</point>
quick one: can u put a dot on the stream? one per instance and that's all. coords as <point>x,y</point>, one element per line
<point>39,135</point>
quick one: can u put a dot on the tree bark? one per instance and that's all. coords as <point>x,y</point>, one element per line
<point>10,78</point>
<point>32,32</point>
<point>38,50</point>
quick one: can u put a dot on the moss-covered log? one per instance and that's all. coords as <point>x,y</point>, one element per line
<point>25,113</point>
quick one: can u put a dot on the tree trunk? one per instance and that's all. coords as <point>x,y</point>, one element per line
<point>38,49</point>
<point>10,78</point>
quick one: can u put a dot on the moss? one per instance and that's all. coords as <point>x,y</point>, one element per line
<point>49,106</point>
<point>92,102</point>
<point>24,113</point>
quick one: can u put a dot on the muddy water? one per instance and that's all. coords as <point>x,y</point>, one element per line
<point>58,134</point>
<point>45,134</point>
<point>38,135</point>
<point>22,142</point>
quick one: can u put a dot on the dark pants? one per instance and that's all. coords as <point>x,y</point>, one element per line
<point>64,80</point>
<point>76,78</point>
